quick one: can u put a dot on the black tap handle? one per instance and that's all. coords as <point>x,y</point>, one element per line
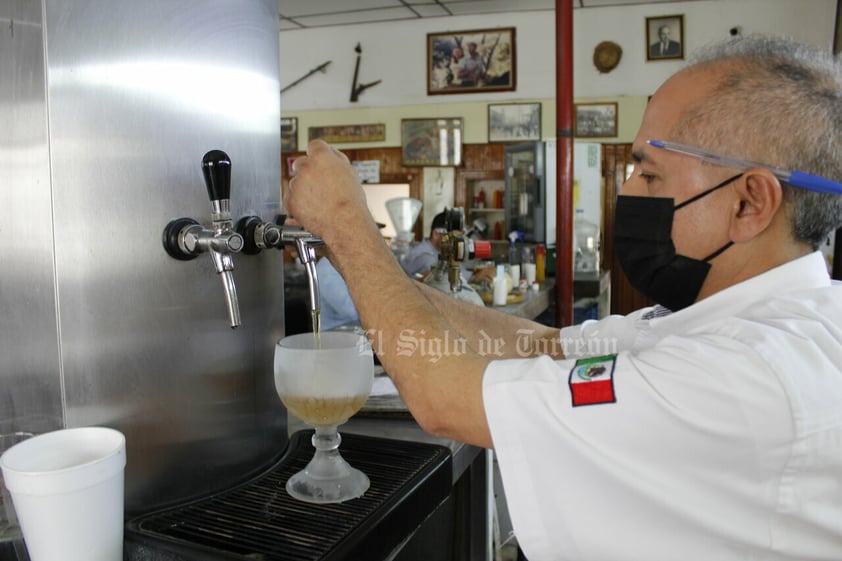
<point>216,167</point>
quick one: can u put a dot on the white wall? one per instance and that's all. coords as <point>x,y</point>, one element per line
<point>396,51</point>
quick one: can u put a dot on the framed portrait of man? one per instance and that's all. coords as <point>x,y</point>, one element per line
<point>665,38</point>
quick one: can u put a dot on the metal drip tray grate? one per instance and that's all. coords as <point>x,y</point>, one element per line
<point>258,520</point>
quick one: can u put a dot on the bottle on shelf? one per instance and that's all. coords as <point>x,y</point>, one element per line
<point>499,228</point>
<point>498,198</point>
<point>480,199</point>
<point>540,263</point>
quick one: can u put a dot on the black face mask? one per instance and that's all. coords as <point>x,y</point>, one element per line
<point>643,243</point>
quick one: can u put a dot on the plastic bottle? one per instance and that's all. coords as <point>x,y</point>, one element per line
<point>514,251</point>
<point>481,199</point>
<point>501,288</point>
<point>540,263</point>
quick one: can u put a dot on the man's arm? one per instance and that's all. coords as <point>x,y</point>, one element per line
<point>444,393</point>
<point>493,333</point>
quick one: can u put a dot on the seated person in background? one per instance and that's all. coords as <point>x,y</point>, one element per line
<point>336,306</point>
<point>423,256</point>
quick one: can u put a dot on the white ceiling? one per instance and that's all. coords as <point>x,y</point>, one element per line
<point>302,14</point>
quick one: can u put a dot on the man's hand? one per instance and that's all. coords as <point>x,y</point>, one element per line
<point>324,194</point>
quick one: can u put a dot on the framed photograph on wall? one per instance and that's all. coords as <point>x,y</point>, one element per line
<point>289,134</point>
<point>665,38</point>
<point>431,142</point>
<point>473,61</point>
<point>349,133</point>
<point>514,122</point>
<point>595,120</point>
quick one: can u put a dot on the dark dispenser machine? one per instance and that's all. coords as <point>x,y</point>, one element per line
<point>108,109</point>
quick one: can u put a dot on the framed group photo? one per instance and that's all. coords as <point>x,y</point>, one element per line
<point>431,142</point>
<point>479,60</point>
<point>665,38</point>
<point>514,122</point>
<point>595,120</point>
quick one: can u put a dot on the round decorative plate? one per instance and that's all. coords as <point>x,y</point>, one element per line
<point>606,56</point>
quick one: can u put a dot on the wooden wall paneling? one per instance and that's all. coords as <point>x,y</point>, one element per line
<point>476,157</point>
<point>483,156</point>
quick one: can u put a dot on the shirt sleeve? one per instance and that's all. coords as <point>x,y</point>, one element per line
<point>671,430</point>
<point>609,335</point>
<point>420,259</point>
<point>337,307</point>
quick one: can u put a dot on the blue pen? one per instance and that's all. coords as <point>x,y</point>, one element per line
<point>794,178</point>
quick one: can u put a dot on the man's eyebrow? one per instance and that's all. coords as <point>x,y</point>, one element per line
<point>639,156</point>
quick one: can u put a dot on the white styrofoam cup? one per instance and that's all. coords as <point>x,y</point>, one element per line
<point>68,491</point>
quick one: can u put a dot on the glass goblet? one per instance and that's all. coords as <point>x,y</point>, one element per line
<point>323,380</point>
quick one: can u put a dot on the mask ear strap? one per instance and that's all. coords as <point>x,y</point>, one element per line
<point>717,252</point>
<point>709,191</point>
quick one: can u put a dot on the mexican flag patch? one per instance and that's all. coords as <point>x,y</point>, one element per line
<point>592,381</point>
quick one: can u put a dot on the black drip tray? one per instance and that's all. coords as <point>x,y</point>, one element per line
<point>258,520</point>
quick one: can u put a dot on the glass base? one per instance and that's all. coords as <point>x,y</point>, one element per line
<point>328,478</point>
<point>307,488</point>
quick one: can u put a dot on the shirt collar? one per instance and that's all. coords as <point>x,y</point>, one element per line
<point>810,270</point>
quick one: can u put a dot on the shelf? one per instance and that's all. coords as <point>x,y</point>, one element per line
<point>486,210</point>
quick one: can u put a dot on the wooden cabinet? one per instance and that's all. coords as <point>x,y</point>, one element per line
<point>391,171</point>
<point>483,170</point>
<point>480,193</point>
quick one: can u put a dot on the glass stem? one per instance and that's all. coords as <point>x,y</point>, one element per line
<point>326,439</point>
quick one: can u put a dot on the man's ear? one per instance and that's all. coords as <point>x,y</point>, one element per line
<point>759,198</point>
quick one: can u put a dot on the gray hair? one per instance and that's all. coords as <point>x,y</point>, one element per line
<point>780,103</point>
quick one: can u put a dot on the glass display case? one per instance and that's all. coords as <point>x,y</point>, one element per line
<point>525,189</point>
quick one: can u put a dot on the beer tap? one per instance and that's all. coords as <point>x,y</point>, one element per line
<point>259,235</point>
<point>185,238</point>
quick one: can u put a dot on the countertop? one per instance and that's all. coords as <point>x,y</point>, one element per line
<point>533,303</point>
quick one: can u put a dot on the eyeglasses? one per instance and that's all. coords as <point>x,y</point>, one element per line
<point>794,178</point>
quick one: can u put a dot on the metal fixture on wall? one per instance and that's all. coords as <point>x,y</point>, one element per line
<point>185,239</point>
